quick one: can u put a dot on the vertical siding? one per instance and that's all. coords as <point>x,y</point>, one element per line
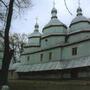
<point>35,58</point>
<point>78,37</point>
<point>52,41</point>
<point>83,49</point>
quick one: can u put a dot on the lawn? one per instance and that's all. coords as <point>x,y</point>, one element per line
<point>49,85</point>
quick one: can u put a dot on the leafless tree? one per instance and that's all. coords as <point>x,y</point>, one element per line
<point>8,8</point>
<point>17,41</point>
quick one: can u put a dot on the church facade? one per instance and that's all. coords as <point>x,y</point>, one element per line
<point>59,52</point>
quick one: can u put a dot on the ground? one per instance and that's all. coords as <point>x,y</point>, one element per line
<point>49,85</point>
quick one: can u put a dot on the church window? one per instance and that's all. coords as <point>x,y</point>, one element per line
<point>46,40</point>
<point>74,51</point>
<point>50,55</point>
<point>28,58</point>
<point>41,57</point>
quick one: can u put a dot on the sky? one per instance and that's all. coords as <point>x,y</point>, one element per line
<point>42,9</point>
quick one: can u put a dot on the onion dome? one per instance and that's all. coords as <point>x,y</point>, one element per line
<point>80,20</point>
<point>54,13</point>
<point>79,17</point>
<point>36,32</point>
<point>54,23</point>
<point>34,38</point>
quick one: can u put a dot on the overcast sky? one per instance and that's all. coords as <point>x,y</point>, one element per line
<point>42,10</point>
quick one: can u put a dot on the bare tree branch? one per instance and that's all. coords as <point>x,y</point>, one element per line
<point>67,7</point>
<point>3,3</point>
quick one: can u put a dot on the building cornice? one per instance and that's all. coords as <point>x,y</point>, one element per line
<point>53,26</point>
<point>58,46</point>
<point>31,46</point>
<point>34,37</point>
<point>69,34</point>
<point>79,22</point>
<point>78,32</point>
<point>56,35</point>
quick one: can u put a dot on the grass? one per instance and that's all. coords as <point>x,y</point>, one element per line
<point>49,85</point>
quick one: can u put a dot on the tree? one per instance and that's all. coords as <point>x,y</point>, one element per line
<point>17,41</point>
<point>18,7</point>
<point>8,53</point>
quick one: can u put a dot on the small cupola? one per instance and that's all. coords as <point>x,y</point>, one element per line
<point>35,36</point>
<point>79,11</point>
<point>54,13</point>
<point>36,32</point>
<point>54,26</point>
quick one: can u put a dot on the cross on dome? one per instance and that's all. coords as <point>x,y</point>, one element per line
<point>79,3</point>
<point>36,19</point>
<point>36,25</point>
<point>54,3</point>
<point>79,10</point>
<point>54,11</point>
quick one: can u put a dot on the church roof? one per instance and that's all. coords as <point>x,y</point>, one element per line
<point>79,17</point>
<point>58,65</point>
<point>14,66</point>
<point>36,32</point>
<point>54,20</point>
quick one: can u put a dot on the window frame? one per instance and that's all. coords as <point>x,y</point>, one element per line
<point>74,51</point>
<point>50,56</point>
<point>28,58</point>
<point>41,57</point>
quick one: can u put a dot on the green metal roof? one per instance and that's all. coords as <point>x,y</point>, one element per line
<point>58,65</point>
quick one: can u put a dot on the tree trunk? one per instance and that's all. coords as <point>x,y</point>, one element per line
<point>7,52</point>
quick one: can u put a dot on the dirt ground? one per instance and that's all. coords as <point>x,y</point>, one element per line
<point>49,85</point>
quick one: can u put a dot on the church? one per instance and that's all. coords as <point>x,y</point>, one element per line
<point>59,52</point>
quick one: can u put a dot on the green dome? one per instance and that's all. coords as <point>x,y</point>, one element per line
<point>36,32</point>
<point>79,22</point>
<point>54,22</point>
<point>79,17</point>
<point>34,38</point>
